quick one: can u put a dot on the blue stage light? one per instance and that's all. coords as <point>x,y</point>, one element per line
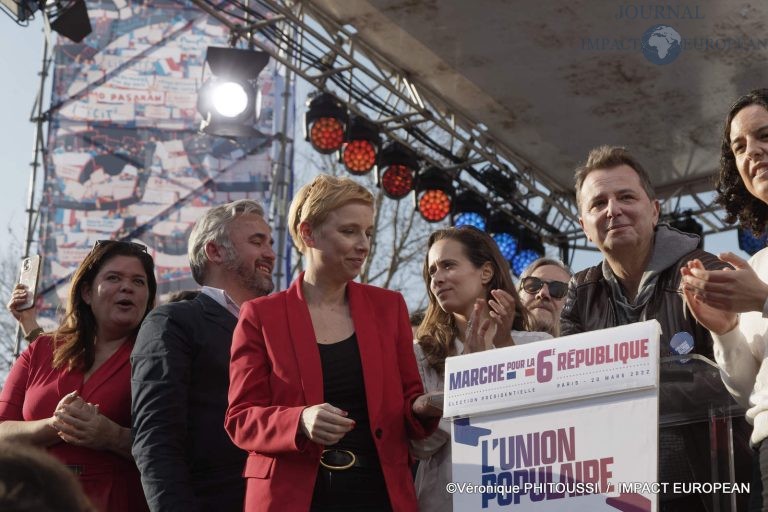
<point>507,244</point>
<point>522,259</point>
<point>470,219</point>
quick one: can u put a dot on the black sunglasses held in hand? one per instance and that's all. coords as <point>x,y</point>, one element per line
<point>532,285</point>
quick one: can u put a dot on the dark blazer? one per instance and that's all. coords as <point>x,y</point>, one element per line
<point>276,373</point>
<point>179,382</point>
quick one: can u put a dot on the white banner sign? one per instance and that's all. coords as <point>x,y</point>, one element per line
<point>559,425</point>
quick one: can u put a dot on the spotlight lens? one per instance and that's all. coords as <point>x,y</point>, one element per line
<point>470,219</point>
<point>507,245</point>
<point>229,99</point>
<point>359,156</point>
<point>326,135</point>
<point>434,205</point>
<point>522,259</point>
<point>397,181</point>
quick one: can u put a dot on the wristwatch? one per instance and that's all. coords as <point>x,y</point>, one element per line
<point>33,334</point>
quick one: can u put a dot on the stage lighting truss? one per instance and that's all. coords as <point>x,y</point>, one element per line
<point>470,209</point>
<point>361,146</point>
<point>325,123</point>
<point>396,170</point>
<point>230,100</point>
<point>434,194</point>
<point>330,56</point>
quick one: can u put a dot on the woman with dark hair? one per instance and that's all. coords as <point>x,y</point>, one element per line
<point>733,303</point>
<point>473,306</point>
<point>69,391</point>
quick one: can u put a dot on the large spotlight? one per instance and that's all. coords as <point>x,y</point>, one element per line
<point>69,18</point>
<point>530,249</point>
<point>470,210</point>
<point>361,148</point>
<point>396,169</point>
<point>230,101</point>
<point>434,194</point>
<point>503,232</point>
<point>325,123</point>
<point>750,243</point>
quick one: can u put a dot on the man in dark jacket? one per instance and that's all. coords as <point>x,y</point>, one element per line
<point>180,368</point>
<point>639,280</point>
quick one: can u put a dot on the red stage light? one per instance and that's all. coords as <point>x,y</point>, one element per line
<point>359,156</point>
<point>325,123</point>
<point>434,194</point>
<point>434,205</point>
<point>397,181</point>
<point>326,135</point>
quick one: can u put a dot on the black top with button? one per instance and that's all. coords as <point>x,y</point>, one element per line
<point>344,387</point>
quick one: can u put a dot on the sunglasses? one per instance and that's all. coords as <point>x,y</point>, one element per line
<point>132,245</point>
<point>532,285</point>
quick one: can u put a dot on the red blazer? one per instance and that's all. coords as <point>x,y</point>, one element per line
<point>275,373</point>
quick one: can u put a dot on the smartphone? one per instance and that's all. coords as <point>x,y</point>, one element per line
<point>30,272</point>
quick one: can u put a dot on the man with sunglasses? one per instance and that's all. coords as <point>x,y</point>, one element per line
<point>180,367</point>
<point>639,280</point>
<point>543,286</point>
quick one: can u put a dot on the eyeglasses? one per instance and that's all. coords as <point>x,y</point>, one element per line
<point>132,245</point>
<point>532,285</point>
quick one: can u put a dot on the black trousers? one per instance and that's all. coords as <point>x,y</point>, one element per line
<point>355,488</point>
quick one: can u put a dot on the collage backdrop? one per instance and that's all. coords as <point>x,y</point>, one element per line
<point>125,159</point>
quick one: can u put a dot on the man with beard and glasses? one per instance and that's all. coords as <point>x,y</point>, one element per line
<point>638,280</point>
<point>543,285</point>
<point>180,367</point>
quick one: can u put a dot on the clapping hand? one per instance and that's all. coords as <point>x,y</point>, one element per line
<point>716,296</point>
<point>80,423</point>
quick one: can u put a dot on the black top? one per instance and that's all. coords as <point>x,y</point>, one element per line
<point>344,387</point>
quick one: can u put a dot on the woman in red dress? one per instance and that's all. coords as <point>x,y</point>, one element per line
<point>69,392</point>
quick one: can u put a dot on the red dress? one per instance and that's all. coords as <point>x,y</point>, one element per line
<point>34,388</point>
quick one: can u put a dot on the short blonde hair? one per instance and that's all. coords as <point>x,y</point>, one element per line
<point>315,200</point>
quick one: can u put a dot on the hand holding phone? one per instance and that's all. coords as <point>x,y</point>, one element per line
<point>30,270</point>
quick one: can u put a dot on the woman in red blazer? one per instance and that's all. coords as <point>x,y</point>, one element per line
<point>324,389</point>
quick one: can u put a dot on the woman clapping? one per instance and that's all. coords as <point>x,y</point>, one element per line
<point>69,392</point>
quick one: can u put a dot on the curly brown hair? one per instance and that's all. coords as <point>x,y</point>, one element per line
<point>74,339</point>
<point>438,329</point>
<point>733,195</point>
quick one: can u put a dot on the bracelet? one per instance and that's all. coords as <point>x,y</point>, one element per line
<point>33,334</point>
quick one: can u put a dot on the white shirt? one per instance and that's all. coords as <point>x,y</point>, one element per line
<point>222,298</point>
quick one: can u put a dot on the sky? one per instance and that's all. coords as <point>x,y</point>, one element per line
<point>20,56</point>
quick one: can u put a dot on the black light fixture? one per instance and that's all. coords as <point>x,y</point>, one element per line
<point>325,123</point>
<point>361,146</point>
<point>230,101</point>
<point>69,18</point>
<point>470,209</point>
<point>396,170</point>
<point>434,194</point>
<point>687,224</point>
<point>501,184</point>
